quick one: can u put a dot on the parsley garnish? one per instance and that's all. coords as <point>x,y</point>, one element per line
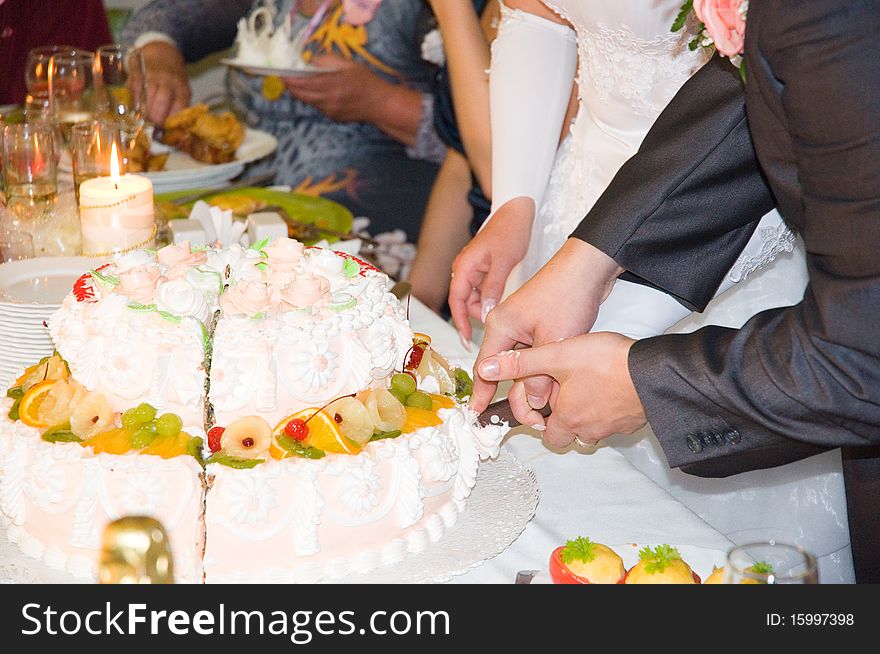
<point>579,549</point>
<point>659,558</point>
<point>762,568</point>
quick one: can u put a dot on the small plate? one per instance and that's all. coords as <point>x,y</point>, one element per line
<point>38,284</point>
<point>305,70</point>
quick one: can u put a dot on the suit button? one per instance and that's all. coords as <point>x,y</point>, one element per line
<point>693,443</point>
<point>705,438</point>
<point>732,436</point>
<point>717,438</point>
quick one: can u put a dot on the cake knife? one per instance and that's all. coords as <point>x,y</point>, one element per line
<point>500,411</point>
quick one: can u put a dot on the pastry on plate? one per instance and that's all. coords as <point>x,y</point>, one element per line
<point>581,561</point>
<point>661,565</point>
<point>210,138</point>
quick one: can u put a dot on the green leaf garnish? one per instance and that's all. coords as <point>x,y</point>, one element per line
<point>579,549</point>
<point>233,461</point>
<point>681,19</point>
<point>761,568</point>
<point>106,279</point>
<point>659,558</point>
<point>382,435</point>
<point>298,449</point>
<point>350,268</point>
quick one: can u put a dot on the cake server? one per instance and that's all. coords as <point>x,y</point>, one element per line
<point>500,411</point>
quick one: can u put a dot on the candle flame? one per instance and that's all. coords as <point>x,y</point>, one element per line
<point>114,165</point>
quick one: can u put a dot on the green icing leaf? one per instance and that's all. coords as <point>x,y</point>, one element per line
<point>339,308</point>
<point>659,558</point>
<point>170,317</point>
<point>106,279</point>
<point>259,245</point>
<point>350,268</point>
<point>262,266</point>
<point>259,315</point>
<point>137,306</point>
<point>233,461</point>
<point>298,449</point>
<point>580,549</point>
<point>681,19</point>
<point>382,435</point>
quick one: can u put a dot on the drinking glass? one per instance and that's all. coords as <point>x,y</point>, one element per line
<point>29,170</point>
<point>770,563</point>
<point>36,72</point>
<point>15,246</point>
<point>73,91</point>
<point>91,146</point>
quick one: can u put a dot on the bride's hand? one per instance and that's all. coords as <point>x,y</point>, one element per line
<point>481,269</point>
<point>559,302</point>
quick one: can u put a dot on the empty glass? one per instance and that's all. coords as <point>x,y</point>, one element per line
<point>73,93</point>
<point>123,84</point>
<point>36,72</point>
<point>29,169</point>
<point>91,144</point>
<point>770,563</point>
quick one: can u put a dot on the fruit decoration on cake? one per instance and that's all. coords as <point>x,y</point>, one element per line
<point>581,561</point>
<point>661,565</point>
<point>306,431</point>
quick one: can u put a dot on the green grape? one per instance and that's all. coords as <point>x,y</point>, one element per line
<point>400,396</point>
<point>168,425</point>
<point>145,412</point>
<point>403,383</point>
<point>420,400</point>
<point>143,437</point>
<point>130,421</point>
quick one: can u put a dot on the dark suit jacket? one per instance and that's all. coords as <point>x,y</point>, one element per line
<point>794,381</point>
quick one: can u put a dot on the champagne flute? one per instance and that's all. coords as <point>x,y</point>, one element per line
<point>73,91</point>
<point>36,72</point>
<point>770,563</point>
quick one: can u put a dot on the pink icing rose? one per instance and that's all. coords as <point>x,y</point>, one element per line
<point>248,299</point>
<point>283,254</point>
<point>178,258</point>
<point>725,24</point>
<point>139,283</point>
<point>305,291</point>
<point>360,12</point>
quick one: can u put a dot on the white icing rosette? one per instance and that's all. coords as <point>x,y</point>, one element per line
<point>179,298</point>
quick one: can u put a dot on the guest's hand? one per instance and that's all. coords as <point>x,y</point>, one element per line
<point>348,92</point>
<point>559,302</point>
<point>480,270</point>
<point>167,83</point>
<point>596,396</point>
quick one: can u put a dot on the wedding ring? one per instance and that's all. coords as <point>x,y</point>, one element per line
<point>580,443</point>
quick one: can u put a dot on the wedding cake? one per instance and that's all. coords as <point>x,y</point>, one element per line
<point>269,405</point>
<point>259,43</point>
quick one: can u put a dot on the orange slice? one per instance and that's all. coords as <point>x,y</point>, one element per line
<point>418,418</point>
<point>324,434</point>
<point>113,441</point>
<point>29,409</point>
<point>441,402</point>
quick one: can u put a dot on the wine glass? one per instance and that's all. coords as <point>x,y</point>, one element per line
<point>770,563</point>
<point>73,90</point>
<point>36,72</point>
<point>123,97</point>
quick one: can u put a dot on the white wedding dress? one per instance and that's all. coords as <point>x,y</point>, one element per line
<point>629,66</point>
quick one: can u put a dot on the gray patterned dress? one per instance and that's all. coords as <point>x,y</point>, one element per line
<point>355,164</point>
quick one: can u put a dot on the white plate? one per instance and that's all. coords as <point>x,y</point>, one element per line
<point>35,283</point>
<point>701,559</point>
<point>299,71</point>
<point>183,172</point>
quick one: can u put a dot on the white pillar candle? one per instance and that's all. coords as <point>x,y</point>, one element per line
<point>116,213</point>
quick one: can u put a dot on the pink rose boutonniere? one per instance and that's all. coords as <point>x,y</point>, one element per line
<point>722,25</point>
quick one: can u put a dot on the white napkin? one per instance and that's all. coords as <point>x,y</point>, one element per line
<point>221,229</point>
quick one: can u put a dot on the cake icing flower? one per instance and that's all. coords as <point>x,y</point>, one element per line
<point>283,254</point>
<point>249,298</point>
<point>305,291</point>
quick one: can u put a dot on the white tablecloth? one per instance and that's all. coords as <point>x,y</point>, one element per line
<point>599,495</point>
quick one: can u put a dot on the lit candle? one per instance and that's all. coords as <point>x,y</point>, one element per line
<point>116,212</point>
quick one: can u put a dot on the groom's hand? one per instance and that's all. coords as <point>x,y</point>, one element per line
<point>596,395</point>
<point>560,301</point>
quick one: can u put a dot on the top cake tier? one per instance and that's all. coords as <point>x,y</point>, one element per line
<point>279,326</point>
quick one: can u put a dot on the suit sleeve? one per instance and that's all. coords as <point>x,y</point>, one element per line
<point>795,380</point>
<point>692,195</point>
<point>199,27</point>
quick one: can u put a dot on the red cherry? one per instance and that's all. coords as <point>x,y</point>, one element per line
<point>416,353</point>
<point>214,435</point>
<point>297,429</point>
